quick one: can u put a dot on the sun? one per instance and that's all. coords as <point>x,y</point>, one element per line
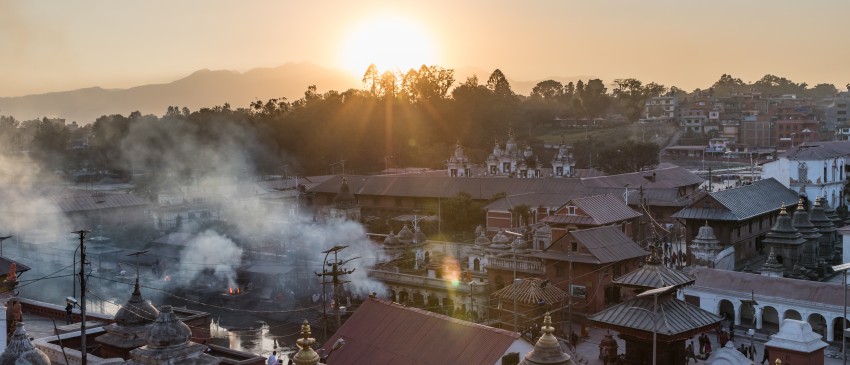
<point>391,43</point>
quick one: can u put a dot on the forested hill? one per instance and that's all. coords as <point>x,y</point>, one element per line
<point>200,89</point>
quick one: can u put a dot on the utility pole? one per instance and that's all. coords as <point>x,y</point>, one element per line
<point>336,272</point>
<point>83,351</point>
<point>1,243</point>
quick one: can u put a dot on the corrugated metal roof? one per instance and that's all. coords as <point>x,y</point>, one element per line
<point>818,150</point>
<point>533,200</point>
<point>608,244</point>
<point>714,214</point>
<point>665,176</point>
<point>568,219</point>
<point>427,185</point>
<point>765,286</point>
<point>69,201</point>
<point>532,291</point>
<point>605,209</point>
<point>383,333</point>
<point>744,202</point>
<point>675,317</point>
<point>6,262</point>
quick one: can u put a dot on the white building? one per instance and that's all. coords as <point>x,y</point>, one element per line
<point>815,168</point>
<point>660,109</point>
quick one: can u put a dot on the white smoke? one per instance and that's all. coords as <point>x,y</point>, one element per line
<point>209,250</point>
<point>29,209</point>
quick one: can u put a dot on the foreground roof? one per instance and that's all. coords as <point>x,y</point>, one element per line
<point>383,333</point>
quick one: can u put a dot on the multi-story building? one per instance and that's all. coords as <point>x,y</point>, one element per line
<point>660,109</point>
<point>817,169</point>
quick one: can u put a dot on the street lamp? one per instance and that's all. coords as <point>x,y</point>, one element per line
<point>843,269</point>
<point>654,293</point>
<point>340,342</point>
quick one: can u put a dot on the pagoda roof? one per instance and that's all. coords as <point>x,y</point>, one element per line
<point>532,291</point>
<point>677,320</point>
<point>653,275</point>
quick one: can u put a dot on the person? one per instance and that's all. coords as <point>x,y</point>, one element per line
<point>69,311</point>
<point>272,359</point>
<point>708,347</point>
<point>732,331</point>
<point>605,353</point>
<point>690,355</point>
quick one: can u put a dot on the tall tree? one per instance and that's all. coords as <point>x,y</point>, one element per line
<point>499,84</point>
<point>548,90</point>
<point>632,95</point>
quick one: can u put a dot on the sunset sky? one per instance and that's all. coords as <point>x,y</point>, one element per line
<point>62,45</point>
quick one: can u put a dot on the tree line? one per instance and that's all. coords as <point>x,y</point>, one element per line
<point>397,119</point>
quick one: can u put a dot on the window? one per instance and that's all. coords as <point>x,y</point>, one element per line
<point>574,246</point>
<point>578,291</point>
<point>571,210</point>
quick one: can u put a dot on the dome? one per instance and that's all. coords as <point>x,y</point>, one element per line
<point>391,239</point>
<point>501,237</point>
<point>137,311</point>
<point>705,237</point>
<point>482,240</point>
<point>405,235</point>
<point>20,350</point>
<point>344,199</point>
<point>547,350</point>
<point>419,237</point>
<point>518,243</point>
<point>168,330</point>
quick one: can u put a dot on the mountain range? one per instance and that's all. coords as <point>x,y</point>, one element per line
<point>203,88</point>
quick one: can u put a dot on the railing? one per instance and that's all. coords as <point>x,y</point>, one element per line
<point>441,284</point>
<point>531,267</point>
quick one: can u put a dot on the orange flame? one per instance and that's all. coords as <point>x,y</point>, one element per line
<point>231,290</point>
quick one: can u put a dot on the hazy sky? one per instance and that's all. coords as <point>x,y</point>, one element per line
<point>61,45</point>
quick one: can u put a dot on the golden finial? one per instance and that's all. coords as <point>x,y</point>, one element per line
<point>778,362</point>
<point>547,324</point>
<point>800,203</point>
<point>305,355</point>
<point>782,209</point>
<point>817,201</point>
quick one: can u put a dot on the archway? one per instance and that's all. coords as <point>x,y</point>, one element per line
<point>418,299</point>
<point>449,306</point>
<point>726,310</point>
<point>403,297</point>
<point>818,323</point>
<point>770,319</point>
<point>837,328</point>
<point>476,264</point>
<point>433,303</point>
<point>792,314</point>
<point>427,257</point>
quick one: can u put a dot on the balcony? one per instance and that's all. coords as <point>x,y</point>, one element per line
<point>430,283</point>
<point>508,264</point>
